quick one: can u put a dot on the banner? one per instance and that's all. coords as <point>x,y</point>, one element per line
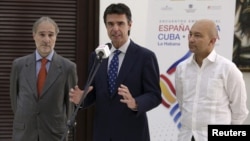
<point>168,25</point>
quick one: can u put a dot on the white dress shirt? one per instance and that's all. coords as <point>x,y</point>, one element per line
<point>214,93</point>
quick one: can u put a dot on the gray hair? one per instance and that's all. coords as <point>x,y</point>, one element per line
<point>45,19</point>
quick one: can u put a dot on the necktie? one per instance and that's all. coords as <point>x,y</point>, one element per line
<point>113,70</point>
<point>41,76</point>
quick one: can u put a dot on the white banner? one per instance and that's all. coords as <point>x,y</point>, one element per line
<point>167,29</point>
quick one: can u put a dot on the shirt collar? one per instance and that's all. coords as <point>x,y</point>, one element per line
<point>211,57</point>
<point>122,48</point>
<point>49,57</point>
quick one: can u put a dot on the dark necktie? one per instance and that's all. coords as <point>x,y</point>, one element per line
<point>113,71</point>
<point>41,76</point>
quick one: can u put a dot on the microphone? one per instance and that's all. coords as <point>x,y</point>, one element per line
<point>109,45</point>
<point>103,51</point>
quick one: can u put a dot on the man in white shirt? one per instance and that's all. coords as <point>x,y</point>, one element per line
<point>209,88</point>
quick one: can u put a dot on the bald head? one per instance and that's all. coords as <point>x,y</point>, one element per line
<point>207,26</point>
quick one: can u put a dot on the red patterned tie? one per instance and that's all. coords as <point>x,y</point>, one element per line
<point>41,76</point>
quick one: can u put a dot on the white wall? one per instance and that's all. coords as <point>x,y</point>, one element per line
<point>138,33</point>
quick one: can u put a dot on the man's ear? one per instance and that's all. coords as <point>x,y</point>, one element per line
<point>213,40</point>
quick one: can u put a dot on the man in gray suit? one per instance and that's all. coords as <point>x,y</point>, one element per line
<point>41,117</point>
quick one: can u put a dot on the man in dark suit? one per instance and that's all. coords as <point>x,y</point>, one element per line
<point>121,115</point>
<point>41,116</point>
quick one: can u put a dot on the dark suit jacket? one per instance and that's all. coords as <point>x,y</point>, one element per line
<point>45,117</point>
<point>114,120</point>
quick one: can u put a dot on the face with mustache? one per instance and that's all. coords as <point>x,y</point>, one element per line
<point>45,38</point>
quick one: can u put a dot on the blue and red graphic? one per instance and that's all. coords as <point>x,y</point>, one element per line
<point>168,91</point>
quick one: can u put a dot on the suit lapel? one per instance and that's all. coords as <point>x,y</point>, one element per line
<point>30,72</point>
<point>127,63</point>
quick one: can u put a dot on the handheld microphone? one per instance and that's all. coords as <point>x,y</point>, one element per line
<point>102,51</point>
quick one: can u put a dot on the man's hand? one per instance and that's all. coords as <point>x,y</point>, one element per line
<point>127,97</point>
<point>76,93</point>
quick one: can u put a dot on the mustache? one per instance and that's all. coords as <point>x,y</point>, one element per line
<point>45,44</point>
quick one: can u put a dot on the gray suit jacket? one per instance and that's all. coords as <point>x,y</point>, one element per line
<point>45,117</point>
